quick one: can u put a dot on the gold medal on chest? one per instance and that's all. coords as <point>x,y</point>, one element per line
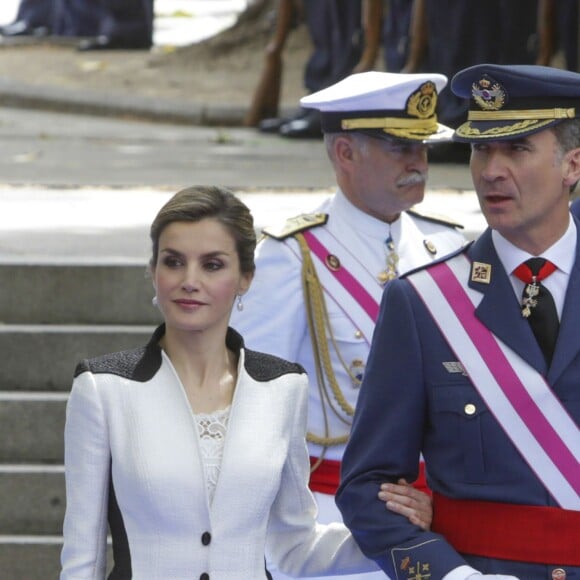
<point>392,261</point>
<point>530,301</point>
<point>332,262</point>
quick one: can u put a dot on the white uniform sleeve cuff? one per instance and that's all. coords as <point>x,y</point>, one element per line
<point>461,573</point>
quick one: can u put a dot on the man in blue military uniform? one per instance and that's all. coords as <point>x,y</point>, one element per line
<point>320,276</point>
<point>482,375</point>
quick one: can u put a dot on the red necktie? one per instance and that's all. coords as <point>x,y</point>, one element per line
<point>538,304</point>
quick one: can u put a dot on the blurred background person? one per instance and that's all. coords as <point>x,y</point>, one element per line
<point>101,24</point>
<point>387,26</point>
<point>347,37</point>
<point>558,33</point>
<point>34,18</point>
<point>336,30</point>
<point>449,35</point>
<point>121,24</point>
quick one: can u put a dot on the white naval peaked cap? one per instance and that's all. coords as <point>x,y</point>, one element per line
<point>383,104</point>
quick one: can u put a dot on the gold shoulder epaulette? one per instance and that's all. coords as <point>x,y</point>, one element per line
<point>434,217</point>
<point>295,225</point>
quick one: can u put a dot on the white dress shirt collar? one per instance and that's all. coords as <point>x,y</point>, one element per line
<point>363,222</point>
<point>562,253</point>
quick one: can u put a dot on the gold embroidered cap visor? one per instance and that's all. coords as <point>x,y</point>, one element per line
<point>388,125</point>
<point>511,101</point>
<point>495,126</point>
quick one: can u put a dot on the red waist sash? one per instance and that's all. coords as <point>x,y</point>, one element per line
<point>535,534</point>
<point>326,477</point>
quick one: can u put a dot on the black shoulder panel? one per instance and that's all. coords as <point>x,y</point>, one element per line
<point>260,365</point>
<point>138,364</point>
<point>266,367</point>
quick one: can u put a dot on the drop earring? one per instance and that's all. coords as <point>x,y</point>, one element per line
<point>154,301</point>
<point>240,304</point>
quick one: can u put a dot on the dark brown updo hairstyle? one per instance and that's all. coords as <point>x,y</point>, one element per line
<point>196,203</point>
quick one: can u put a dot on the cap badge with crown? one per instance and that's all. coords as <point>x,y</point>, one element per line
<point>423,101</point>
<point>489,94</point>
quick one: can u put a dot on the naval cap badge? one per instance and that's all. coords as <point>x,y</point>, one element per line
<point>423,102</point>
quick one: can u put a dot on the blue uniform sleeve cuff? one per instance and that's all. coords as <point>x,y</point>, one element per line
<point>425,560</point>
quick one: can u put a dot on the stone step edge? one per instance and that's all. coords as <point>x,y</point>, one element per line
<point>88,261</point>
<point>30,468</point>
<point>64,328</point>
<point>34,396</point>
<point>16,539</point>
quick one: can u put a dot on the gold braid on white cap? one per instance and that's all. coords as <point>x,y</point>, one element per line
<point>417,120</point>
<point>393,125</point>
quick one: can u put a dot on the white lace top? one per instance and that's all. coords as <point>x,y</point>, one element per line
<point>212,429</point>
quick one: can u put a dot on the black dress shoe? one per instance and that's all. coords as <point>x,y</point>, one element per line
<point>110,43</point>
<point>22,28</point>
<point>271,125</point>
<point>307,127</point>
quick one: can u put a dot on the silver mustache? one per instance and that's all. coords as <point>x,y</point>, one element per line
<point>412,179</point>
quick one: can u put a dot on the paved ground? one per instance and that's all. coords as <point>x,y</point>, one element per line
<point>83,187</point>
<point>40,225</point>
<point>74,187</point>
<point>180,79</point>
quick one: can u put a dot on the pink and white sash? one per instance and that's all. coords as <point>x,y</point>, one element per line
<point>518,396</point>
<point>355,290</point>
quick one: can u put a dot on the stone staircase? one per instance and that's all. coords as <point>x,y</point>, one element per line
<point>52,315</point>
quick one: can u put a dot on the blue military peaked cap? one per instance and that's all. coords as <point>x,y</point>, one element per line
<point>509,101</point>
<point>384,105</point>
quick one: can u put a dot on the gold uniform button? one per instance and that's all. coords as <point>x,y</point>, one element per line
<point>430,247</point>
<point>469,409</point>
<point>358,334</point>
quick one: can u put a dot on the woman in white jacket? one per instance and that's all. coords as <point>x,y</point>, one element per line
<point>191,450</point>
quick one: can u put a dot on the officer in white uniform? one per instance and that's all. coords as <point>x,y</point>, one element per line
<point>320,276</point>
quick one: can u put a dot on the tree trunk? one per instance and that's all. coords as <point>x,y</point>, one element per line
<point>253,26</point>
<point>249,44</point>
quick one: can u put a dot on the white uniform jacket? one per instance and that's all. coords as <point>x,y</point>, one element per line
<point>133,460</point>
<point>274,318</point>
